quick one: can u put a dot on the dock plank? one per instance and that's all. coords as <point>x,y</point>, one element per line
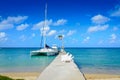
<point>59,70</point>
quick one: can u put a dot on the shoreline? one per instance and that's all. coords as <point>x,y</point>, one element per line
<point>102,76</point>
<point>34,76</point>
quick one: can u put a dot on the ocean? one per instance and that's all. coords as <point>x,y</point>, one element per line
<point>89,60</point>
<point>97,60</point>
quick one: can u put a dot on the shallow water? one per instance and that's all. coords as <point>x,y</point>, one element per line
<point>97,60</point>
<point>19,60</point>
<point>89,60</point>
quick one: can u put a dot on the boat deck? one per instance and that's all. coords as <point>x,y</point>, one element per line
<point>59,70</point>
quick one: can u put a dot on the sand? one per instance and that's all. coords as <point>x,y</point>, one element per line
<point>34,76</point>
<point>102,77</point>
<point>22,75</point>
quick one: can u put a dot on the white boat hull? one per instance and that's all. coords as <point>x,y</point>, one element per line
<point>44,52</point>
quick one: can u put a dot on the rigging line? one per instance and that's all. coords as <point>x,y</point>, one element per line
<point>43,37</point>
<point>44,27</point>
<point>41,41</point>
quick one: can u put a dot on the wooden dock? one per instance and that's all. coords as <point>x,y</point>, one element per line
<point>59,70</point>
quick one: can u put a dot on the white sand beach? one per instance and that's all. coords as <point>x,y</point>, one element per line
<point>102,77</point>
<point>34,75</point>
<point>22,75</point>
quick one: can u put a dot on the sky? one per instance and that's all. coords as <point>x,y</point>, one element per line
<point>83,23</point>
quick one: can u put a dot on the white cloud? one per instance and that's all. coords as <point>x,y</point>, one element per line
<point>52,32</point>
<point>3,36</point>
<point>45,29</point>
<point>14,20</point>
<point>113,38</point>
<point>6,26</point>
<point>116,12</point>
<point>71,32</point>
<point>99,19</point>
<point>22,27</point>
<point>86,39</point>
<point>48,23</point>
<point>10,21</point>
<point>40,25</point>
<point>60,22</point>
<point>22,37</point>
<point>98,28</point>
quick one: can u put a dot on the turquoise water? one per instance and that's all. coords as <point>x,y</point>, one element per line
<point>97,60</point>
<point>19,60</point>
<point>89,60</point>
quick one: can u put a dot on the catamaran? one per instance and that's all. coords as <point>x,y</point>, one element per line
<point>46,50</point>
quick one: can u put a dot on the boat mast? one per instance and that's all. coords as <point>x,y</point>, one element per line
<point>44,27</point>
